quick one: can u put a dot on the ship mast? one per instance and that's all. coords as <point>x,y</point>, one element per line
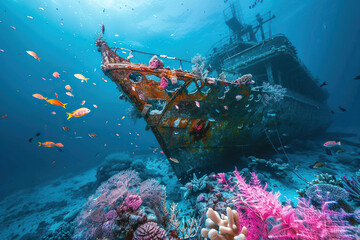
<point>240,30</point>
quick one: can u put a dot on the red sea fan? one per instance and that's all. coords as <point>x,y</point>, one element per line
<point>265,217</point>
<point>150,231</point>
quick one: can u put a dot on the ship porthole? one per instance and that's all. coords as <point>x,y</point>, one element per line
<point>135,77</point>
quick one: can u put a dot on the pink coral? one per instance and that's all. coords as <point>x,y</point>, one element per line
<point>155,63</point>
<point>150,231</point>
<point>164,82</point>
<point>264,216</point>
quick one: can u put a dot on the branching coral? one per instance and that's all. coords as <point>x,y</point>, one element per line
<point>260,210</point>
<point>228,226</point>
<point>353,187</point>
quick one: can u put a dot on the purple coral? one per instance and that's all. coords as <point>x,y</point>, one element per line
<point>132,202</point>
<point>352,186</point>
<point>150,231</point>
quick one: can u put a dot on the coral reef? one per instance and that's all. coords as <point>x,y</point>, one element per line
<point>276,167</point>
<point>114,210</point>
<point>228,226</point>
<point>155,63</point>
<point>272,93</point>
<point>260,210</point>
<point>323,178</point>
<point>196,185</point>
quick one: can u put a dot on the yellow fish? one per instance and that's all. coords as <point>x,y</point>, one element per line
<point>56,103</point>
<point>33,54</point>
<point>78,113</point>
<point>81,77</point>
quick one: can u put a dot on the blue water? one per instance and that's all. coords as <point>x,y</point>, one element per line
<point>326,34</point>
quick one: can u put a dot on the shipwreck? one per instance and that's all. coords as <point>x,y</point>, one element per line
<point>251,92</point>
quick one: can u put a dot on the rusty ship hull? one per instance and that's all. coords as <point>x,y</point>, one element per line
<point>205,124</point>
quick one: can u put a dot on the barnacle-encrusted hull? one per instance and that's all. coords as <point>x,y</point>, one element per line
<point>203,128</point>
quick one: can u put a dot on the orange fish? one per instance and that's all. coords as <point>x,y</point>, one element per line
<point>318,165</point>
<point>39,96</point>
<point>4,116</point>
<point>33,54</point>
<point>47,144</point>
<point>81,77</point>
<point>66,128</point>
<point>59,145</point>
<point>70,94</point>
<point>56,74</point>
<point>94,84</point>
<point>104,80</point>
<point>155,150</point>
<point>67,87</point>
<point>117,134</point>
<point>83,102</point>
<point>53,113</point>
<point>44,79</point>
<point>2,50</point>
<point>92,135</point>
<point>56,95</point>
<point>78,113</point>
<point>13,27</point>
<point>95,106</point>
<point>56,103</point>
<point>123,117</point>
<point>53,162</point>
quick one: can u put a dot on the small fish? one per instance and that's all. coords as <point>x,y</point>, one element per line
<point>357,77</point>
<point>59,145</point>
<point>95,106</point>
<point>30,17</point>
<point>56,103</point>
<point>174,160</point>
<point>332,112</point>
<point>56,74</point>
<point>56,95</point>
<point>238,97</point>
<point>30,139</point>
<point>4,116</point>
<point>37,134</point>
<point>103,29</point>
<point>177,107</point>
<point>81,77</point>
<point>2,50</point>
<point>323,84</point>
<point>69,94</point>
<point>54,113</point>
<point>42,9</point>
<point>226,108</point>
<point>44,79</point>
<point>78,137</point>
<point>340,151</point>
<point>330,144</point>
<point>318,165</point>
<point>94,84</point>
<point>68,87</point>
<point>13,27</point>
<point>197,104</point>
<point>123,117</point>
<point>285,135</point>
<point>47,144</point>
<point>33,54</point>
<point>92,135</point>
<point>83,102</point>
<point>78,113</point>
<point>53,162</point>
<point>342,109</point>
<point>66,128</point>
<point>104,79</point>
<point>39,96</point>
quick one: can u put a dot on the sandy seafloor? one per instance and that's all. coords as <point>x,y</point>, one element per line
<point>29,213</point>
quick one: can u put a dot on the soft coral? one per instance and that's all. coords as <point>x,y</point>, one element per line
<point>264,215</point>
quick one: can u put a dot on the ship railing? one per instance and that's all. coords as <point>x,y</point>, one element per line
<point>181,61</point>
